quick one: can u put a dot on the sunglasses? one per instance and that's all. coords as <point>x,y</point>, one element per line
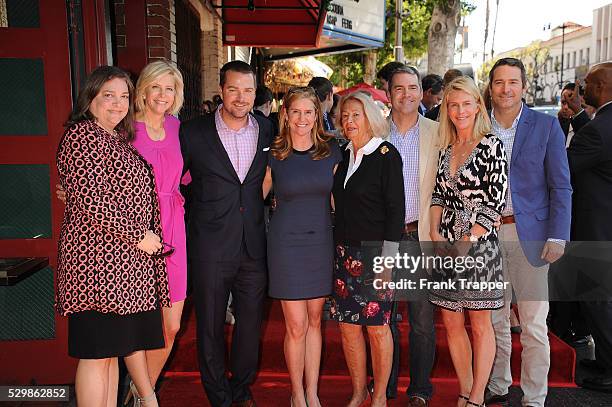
<point>165,251</point>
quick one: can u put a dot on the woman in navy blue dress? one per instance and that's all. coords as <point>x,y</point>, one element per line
<point>300,242</point>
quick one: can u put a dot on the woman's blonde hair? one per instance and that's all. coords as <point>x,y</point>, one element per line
<point>150,74</point>
<point>378,124</point>
<point>282,145</point>
<point>482,124</point>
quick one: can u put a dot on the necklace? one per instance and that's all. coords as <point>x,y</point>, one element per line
<point>156,134</point>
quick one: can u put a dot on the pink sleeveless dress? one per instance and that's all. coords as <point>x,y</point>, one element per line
<point>165,157</point>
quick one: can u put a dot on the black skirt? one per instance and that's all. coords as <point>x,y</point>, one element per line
<point>96,335</point>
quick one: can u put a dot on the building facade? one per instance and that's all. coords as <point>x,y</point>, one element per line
<point>602,34</point>
<point>47,48</point>
<point>569,53</point>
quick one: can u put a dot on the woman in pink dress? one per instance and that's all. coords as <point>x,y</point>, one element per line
<point>159,95</point>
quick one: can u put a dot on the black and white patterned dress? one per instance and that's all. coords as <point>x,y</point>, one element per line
<point>474,194</point>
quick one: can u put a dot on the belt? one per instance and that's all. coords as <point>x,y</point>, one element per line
<point>411,227</point>
<point>507,219</point>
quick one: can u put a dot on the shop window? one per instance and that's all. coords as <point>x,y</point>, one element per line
<point>19,14</point>
<point>25,207</point>
<point>22,107</point>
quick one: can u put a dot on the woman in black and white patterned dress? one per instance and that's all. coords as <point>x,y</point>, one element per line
<point>467,201</point>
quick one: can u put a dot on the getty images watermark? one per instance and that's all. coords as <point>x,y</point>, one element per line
<point>458,265</point>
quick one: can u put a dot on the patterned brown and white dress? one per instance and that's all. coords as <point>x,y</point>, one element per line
<point>104,282</point>
<point>474,194</point>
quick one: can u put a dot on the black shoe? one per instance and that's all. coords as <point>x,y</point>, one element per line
<point>574,340</point>
<point>580,341</point>
<point>491,398</point>
<point>599,383</point>
<point>592,364</point>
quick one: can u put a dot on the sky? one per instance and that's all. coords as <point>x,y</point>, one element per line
<point>521,21</point>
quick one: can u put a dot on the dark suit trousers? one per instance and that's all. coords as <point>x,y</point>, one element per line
<point>422,337</point>
<point>246,279</point>
<point>599,318</point>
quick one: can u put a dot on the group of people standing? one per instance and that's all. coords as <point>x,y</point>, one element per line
<point>476,178</point>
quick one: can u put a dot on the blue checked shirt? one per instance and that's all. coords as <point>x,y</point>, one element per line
<point>408,146</point>
<point>507,138</point>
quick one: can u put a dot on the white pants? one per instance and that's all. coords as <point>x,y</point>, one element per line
<point>529,284</point>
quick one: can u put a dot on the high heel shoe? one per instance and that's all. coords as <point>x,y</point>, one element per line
<point>132,395</point>
<point>471,403</point>
<point>146,401</point>
<point>462,397</point>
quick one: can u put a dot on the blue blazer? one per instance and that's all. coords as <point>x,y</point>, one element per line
<point>540,183</point>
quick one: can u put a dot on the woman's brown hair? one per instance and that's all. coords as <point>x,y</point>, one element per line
<point>282,145</point>
<point>93,84</point>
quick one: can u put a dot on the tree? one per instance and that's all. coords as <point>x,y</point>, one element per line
<point>486,34</point>
<point>494,28</point>
<point>442,34</point>
<point>349,67</point>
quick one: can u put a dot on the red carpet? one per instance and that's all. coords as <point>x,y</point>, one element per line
<point>182,386</point>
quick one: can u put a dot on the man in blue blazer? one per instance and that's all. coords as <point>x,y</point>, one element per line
<point>535,227</point>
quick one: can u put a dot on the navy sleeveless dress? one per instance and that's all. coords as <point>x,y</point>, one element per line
<point>300,239</point>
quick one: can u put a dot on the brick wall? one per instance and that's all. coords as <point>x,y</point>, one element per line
<point>161,39</point>
<point>120,34</point>
<point>214,55</point>
<point>160,29</point>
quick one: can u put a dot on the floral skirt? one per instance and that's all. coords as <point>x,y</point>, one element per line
<point>355,300</point>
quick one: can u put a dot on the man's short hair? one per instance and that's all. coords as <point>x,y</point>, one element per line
<point>404,69</point>
<point>451,75</point>
<point>571,86</point>
<point>322,87</point>
<point>263,95</point>
<point>386,70</point>
<point>509,62</point>
<point>235,66</point>
<point>433,82</point>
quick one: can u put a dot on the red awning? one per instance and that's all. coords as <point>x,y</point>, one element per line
<point>377,94</point>
<point>272,23</point>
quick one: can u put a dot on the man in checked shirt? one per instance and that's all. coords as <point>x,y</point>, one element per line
<point>416,139</point>
<point>534,228</point>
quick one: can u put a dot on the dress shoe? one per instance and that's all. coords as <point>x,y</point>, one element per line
<point>591,364</point>
<point>599,383</point>
<point>245,403</point>
<point>574,340</point>
<point>416,401</point>
<point>491,398</point>
<point>580,341</point>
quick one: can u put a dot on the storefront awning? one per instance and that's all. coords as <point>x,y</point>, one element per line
<point>291,28</point>
<point>349,26</point>
<point>272,23</point>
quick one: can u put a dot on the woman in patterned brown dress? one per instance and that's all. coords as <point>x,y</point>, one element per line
<point>467,201</point>
<point>111,280</point>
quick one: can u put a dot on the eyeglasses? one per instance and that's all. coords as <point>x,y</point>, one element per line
<point>165,251</point>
